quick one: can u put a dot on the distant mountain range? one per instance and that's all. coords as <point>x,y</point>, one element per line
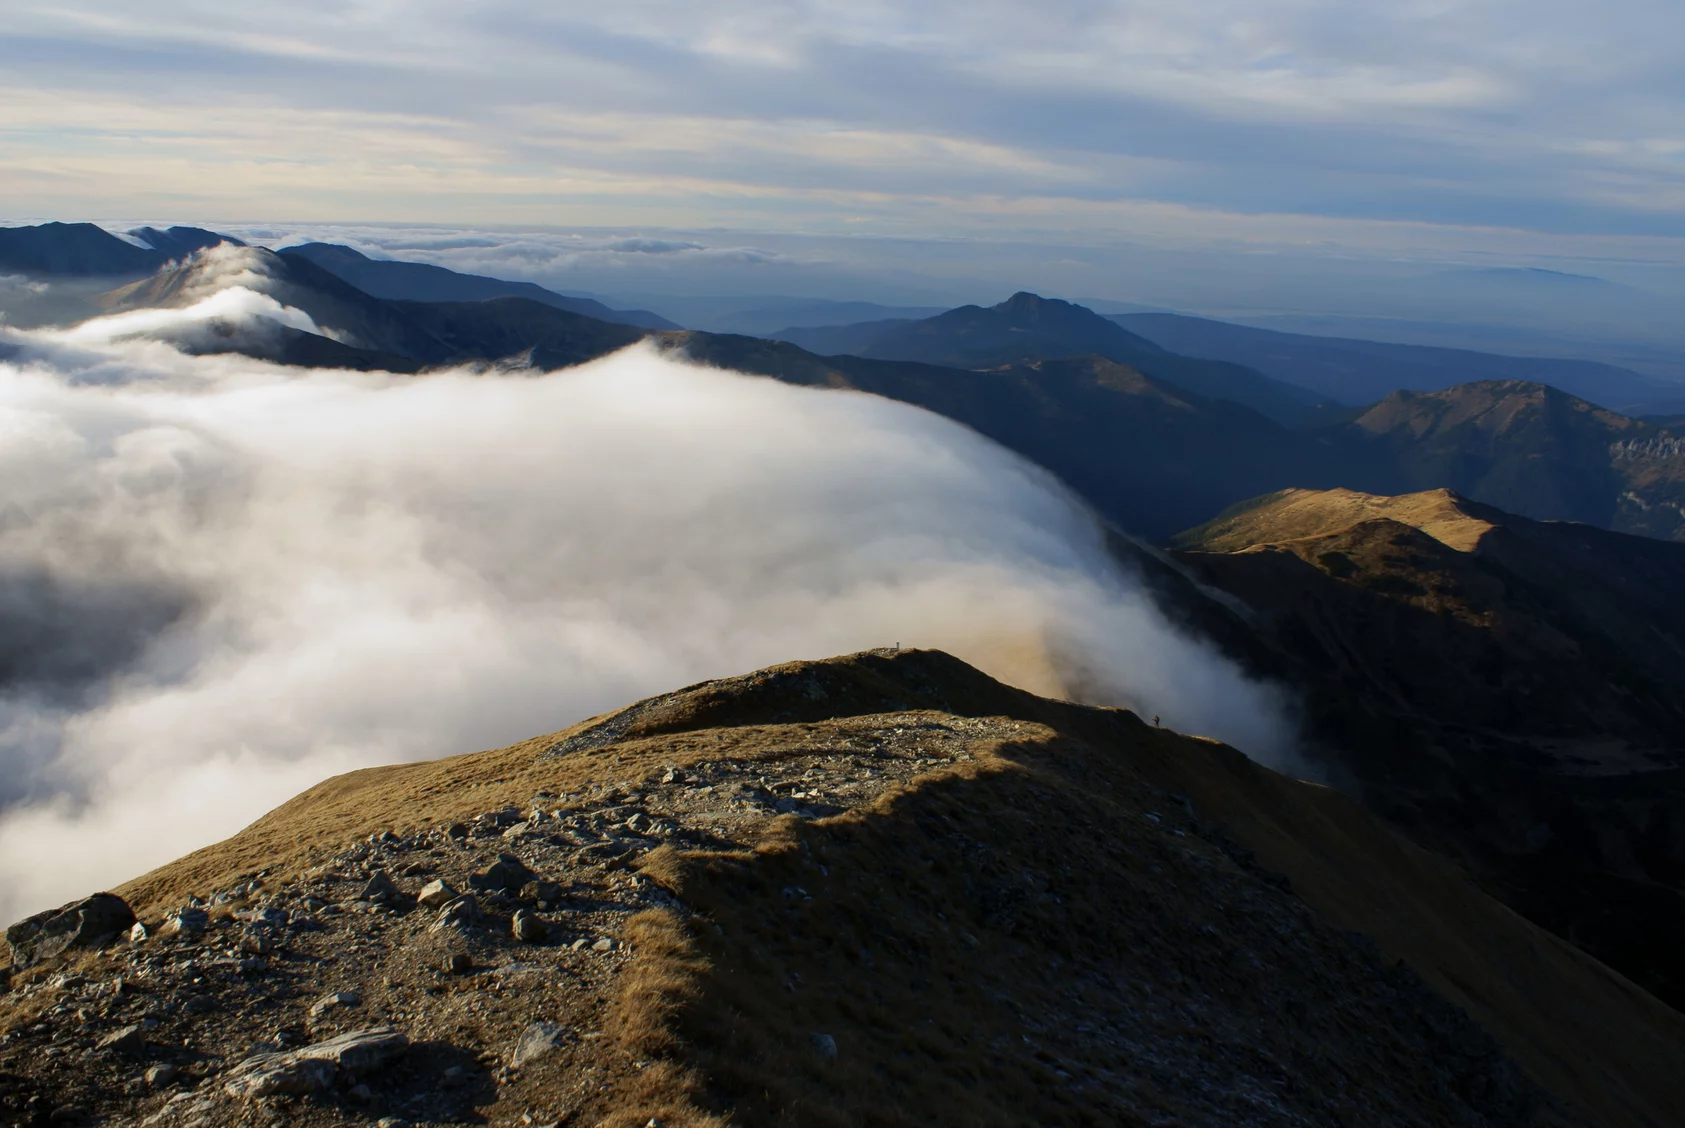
<point>1029,327</point>
<point>423,282</point>
<point>1147,452</point>
<point>1156,440</point>
<point>1351,371</point>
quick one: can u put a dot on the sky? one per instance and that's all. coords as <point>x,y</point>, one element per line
<point>1402,135</point>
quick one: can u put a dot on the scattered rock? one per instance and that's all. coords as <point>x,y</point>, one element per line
<point>460,914</point>
<point>137,932</point>
<point>506,875</point>
<point>161,1075</point>
<point>189,920</point>
<point>603,945</point>
<point>535,1041</point>
<point>278,1075</point>
<point>380,889</point>
<point>544,892</point>
<point>528,929</point>
<point>435,894</point>
<point>333,1001</point>
<point>824,1045</point>
<point>359,1051</point>
<point>127,1040</point>
<point>459,963</point>
<point>88,923</point>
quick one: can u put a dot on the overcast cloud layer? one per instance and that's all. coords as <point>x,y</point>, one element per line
<point>1506,126</point>
<point>222,581</point>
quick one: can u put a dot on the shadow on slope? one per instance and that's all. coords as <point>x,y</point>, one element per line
<point>1076,920</point>
<point>1507,691</point>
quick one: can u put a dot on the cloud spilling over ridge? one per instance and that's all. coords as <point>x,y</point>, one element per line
<point>222,581</point>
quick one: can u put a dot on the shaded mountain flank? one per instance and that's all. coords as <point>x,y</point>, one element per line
<point>424,282</point>
<point>87,250</point>
<point>1508,692</point>
<point>369,332</point>
<point>876,890</point>
<point>1027,327</point>
<point>1352,371</point>
<point>1530,449</point>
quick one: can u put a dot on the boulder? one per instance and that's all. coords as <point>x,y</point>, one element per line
<point>434,894</point>
<point>89,923</point>
<point>538,1039</point>
<point>127,1040</point>
<point>189,920</point>
<point>461,914</point>
<point>278,1075</point>
<point>338,1000</point>
<point>314,1067</point>
<point>506,875</point>
<point>380,889</point>
<point>528,929</point>
<point>359,1051</point>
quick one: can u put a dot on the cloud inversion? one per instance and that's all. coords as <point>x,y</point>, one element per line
<point>223,581</point>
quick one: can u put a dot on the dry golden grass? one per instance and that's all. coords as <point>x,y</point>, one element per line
<point>1295,514</point>
<point>904,955</point>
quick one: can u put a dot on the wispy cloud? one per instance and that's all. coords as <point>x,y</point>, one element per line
<point>1547,117</point>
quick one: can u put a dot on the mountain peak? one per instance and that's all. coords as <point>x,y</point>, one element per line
<point>1024,303</point>
<point>179,241</point>
<point>322,253</point>
<point>71,250</point>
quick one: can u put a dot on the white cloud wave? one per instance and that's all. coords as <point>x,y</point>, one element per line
<point>243,579</point>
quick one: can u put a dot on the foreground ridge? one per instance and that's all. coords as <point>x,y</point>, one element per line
<point>879,889</point>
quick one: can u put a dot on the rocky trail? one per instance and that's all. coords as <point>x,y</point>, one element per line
<point>881,890</point>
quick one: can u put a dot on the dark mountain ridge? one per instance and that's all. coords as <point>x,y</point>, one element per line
<point>1352,371</point>
<point>1029,327</point>
<point>71,249</point>
<point>74,250</point>
<point>423,282</point>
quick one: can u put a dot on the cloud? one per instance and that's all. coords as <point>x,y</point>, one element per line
<point>1557,119</point>
<point>245,579</point>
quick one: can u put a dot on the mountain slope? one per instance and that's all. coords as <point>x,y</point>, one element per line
<point>1027,327</point>
<point>1147,455</point>
<point>882,889</point>
<point>179,242</point>
<point>1353,371</point>
<point>1508,692</point>
<point>368,329</point>
<point>71,249</point>
<point>1531,450</point>
<point>423,282</point>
